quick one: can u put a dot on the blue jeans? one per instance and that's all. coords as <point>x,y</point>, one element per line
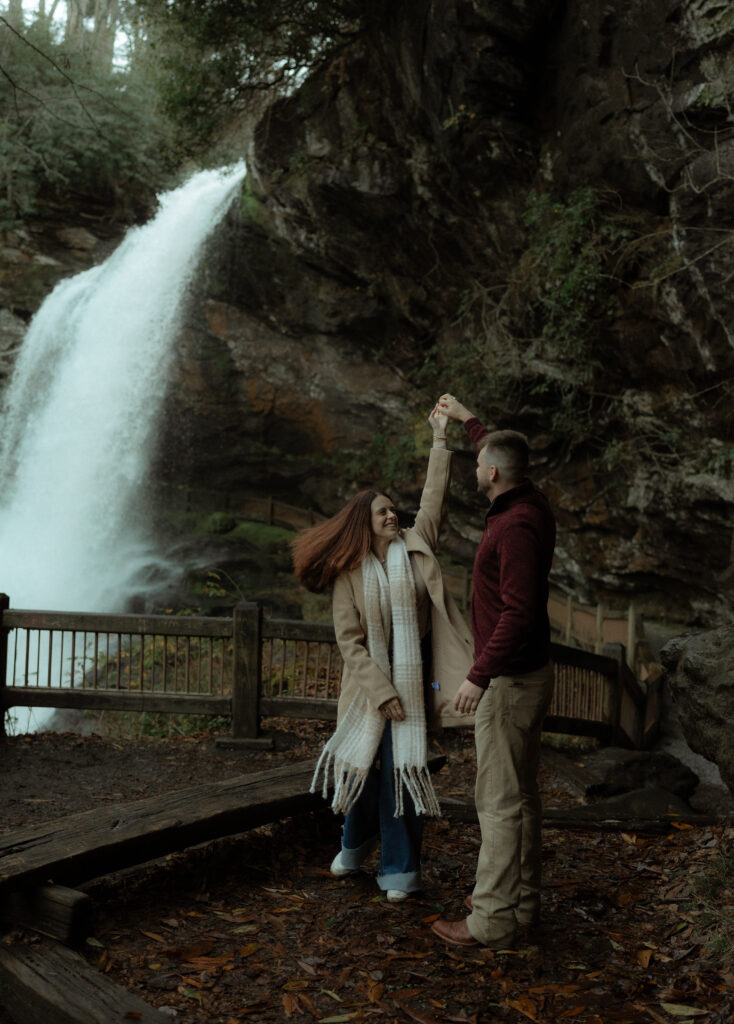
<point>373,818</point>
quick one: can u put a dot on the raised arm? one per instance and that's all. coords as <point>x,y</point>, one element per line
<point>428,521</point>
<point>453,408</point>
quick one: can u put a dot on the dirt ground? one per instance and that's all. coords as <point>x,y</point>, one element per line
<point>254,928</point>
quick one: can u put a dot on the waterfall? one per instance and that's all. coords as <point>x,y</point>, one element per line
<point>81,410</point>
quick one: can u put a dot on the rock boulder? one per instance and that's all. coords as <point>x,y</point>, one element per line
<point>700,672</point>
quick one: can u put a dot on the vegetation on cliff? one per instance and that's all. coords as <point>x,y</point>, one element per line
<point>519,202</point>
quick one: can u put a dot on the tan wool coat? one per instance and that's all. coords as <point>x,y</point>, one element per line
<point>451,640</point>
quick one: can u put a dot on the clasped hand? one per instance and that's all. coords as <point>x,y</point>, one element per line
<point>393,710</point>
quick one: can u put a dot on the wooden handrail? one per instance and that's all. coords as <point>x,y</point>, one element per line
<point>626,713</point>
<point>135,625</point>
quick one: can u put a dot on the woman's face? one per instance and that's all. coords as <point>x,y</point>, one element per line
<point>384,518</point>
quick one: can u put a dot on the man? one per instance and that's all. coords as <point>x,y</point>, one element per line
<point>509,687</point>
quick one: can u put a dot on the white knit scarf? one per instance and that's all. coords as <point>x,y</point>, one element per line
<point>390,605</point>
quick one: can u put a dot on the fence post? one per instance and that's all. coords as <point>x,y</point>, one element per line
<point>246,653</point>
<point>631,637</point>
<point>613,697</point>
<point>4,603</point>
<point>569,619</point>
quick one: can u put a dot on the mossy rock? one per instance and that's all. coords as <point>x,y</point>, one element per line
<point>219,523</point>
<point>274,540</point>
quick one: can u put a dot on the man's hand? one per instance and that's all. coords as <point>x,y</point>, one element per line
<point>393,710</point>
<point>453,408</point>
<point>468,697</point>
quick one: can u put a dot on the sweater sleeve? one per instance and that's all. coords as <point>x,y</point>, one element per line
<point>476,431</point>
<point>350,636</point>
<point>519,557</point>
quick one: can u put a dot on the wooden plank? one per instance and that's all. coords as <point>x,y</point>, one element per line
<point>299,707</point>
<point>45,983</point>
<point>53,910</point>
<point>92,843</point>
<point>119,700</point>
<point>295,629</point>
<point>92,622</point>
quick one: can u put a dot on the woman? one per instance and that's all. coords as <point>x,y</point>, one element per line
<point>406,650</point>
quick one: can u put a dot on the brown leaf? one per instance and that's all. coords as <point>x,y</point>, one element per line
<point>525,1006</point>
<point>644,956</point>
<point>290,1004</point>
<point>189,952</point>
<point>421,1018</point>
<point>153,935</point>
<point>375,990</point>
<point>249,949</point>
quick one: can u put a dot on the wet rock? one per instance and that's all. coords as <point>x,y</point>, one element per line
<point>699,669</point>
<point>615,771</point>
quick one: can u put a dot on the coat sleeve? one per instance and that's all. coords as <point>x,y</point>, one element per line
<point>430,514</point>
<point>352,641</point>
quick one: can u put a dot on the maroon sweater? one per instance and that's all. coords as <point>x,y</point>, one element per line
<point>509,607</point>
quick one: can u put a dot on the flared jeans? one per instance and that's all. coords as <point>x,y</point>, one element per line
<point>507,733</point>
<point>372,820</point>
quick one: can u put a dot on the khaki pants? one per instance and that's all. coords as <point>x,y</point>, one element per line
<point>507,732</point>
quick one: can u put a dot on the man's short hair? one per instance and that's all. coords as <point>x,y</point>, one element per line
<point>509,451</point>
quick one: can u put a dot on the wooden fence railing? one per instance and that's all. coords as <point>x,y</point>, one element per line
<point>588,626</point>
<point>249,667</point>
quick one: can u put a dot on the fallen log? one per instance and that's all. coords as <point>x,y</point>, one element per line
<point>585,819</point>
<point>52,910</point>
<point>47,983</point>
<point>83,846</point>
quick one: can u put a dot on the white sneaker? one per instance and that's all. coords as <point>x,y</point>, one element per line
<point>396,895</point>
<point>338,868</point>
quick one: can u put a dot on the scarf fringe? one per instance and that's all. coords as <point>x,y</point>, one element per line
<point>419,785</point>
<point>348,781</point>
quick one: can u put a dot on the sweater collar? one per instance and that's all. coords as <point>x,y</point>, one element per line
<point>508,498</point>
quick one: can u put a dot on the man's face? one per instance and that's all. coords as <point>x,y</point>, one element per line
<point>384,518</point>
<point>484,473</point>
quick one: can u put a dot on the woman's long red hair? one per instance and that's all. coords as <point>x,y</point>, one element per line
<point>322,552</point>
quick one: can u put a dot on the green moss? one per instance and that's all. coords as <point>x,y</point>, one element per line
<point>271,539</point>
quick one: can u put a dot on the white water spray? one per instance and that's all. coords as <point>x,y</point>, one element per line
<point>81,410</point>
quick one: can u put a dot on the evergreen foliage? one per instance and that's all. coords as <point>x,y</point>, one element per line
<point>211,57</point>
<point>76,129</point>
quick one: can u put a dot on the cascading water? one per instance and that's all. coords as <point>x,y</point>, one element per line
<point>81,410</point>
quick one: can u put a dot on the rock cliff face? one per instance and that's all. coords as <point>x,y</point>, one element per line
<point>394,241</point>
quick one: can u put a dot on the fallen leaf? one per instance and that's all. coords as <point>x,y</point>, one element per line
<point>644,956</point>
<point>290,1004</point>
<point>572,1011</point>
<point>679,1010</point>
<point>525,1006</point>
<point>416,1015</point>
<point>153,935</point>
<point>375,990</point>
<point>249,949</point>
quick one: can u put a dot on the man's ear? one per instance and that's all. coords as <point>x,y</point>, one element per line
<point>493,472</point>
